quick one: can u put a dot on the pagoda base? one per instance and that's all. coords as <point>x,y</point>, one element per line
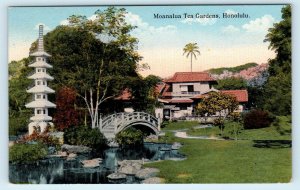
<point>39,127</point>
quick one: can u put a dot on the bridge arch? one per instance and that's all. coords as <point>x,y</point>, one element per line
<point>115,123</point>
<point>138,123</point>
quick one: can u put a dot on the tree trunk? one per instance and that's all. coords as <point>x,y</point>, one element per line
<point>191,63</point>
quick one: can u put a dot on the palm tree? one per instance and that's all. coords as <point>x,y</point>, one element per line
<point>191,49</point>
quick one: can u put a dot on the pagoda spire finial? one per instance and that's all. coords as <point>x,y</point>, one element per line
<point>41,39</point>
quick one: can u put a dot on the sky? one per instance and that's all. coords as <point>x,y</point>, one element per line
<point>223,42</point>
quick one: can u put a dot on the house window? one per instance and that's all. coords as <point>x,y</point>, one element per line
<point>190,88</point>
<point>183,88</point>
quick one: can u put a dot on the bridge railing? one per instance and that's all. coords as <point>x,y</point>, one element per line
<point>123,118</point>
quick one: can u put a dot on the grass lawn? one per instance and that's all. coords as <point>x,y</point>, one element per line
<point>166,126</point>
<point>279,131</point>
<point>211,161</point>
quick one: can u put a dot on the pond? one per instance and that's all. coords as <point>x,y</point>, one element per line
<point>62,171</point>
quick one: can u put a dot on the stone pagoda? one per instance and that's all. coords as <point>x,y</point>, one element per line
<point>40,120</point>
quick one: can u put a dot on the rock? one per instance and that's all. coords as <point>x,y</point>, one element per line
<point>176,146</point>
<point>51,150</point>
<point>151,138</point>
<point>130,167</point>
<point>62,153</point>
<point>75,149</point>
<point>146,173</point>
<point>116,176</point>
<point>152,180</point>
<point>71,156</point>
<point>93,163</point>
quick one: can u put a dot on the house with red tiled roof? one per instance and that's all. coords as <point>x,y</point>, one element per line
<point>182,92</point>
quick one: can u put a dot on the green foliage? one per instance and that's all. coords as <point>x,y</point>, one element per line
<point>277,91</point>
<point>235,128</point>
<point>217,102</point>
<point>231,83</point>
<point>130,137</point>
<point>232,69</point>
<point>18,122</point>
<point>18,84</point>
<point>85,136</point>
<point>256,119</point>
<point>27,153</point>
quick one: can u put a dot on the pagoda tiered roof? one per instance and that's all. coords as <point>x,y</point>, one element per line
<point>40,54</point>
<point>40,118</point>
<point>40,104</point>
<point>40,64</point>
<point>40,89</point>
<point>41,75</point>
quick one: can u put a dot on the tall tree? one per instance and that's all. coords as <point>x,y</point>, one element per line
<point>95,57</point>
<point>277,90</point>
<point>191,49</point>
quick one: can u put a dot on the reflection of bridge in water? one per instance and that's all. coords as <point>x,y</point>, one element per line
<point>115,123</point>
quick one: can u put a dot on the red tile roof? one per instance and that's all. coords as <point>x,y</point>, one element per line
<point>126,95</point>
<point>186,100</point>
<point>190,77</point>
<point>241,95</point>
<point>159,88</point>
<point>166,91</point>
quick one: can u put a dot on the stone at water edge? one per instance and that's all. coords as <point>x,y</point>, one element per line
<point>176,146</point>
<point>93,163</point>
<point>71,156</point>
<point>116,176</point>
<point>75,149</point>
<point>146,173</point>
<point>152,180</point>
<point>130,167</point>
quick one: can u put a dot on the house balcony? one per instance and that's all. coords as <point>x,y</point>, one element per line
<point>185,93</point>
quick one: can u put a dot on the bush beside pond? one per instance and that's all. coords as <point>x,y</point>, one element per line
<point>27,153</point>
<point>130,137</point>
<point>86,136</point>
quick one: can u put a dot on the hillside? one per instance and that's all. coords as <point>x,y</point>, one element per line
<point>248,71</point>
<point>236,69</point>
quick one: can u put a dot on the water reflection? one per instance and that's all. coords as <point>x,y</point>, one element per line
<point>60,171</point>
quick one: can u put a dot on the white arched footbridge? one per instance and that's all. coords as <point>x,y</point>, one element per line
<point>115,123</point>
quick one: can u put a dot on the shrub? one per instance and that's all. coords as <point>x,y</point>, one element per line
<point>130,137</point>
<point>27,153</point>
<point>86,136</point>
<point>256,119</point>
<point>18,123</point>
<point>43,138</point>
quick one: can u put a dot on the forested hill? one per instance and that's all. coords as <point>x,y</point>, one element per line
<point>236,69</point>
<point>247,71</point>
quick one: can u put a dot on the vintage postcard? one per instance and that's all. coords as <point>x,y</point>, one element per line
<point>150,94</point>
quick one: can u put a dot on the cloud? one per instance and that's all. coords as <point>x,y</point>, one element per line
<point>202,21</point>
<point>93,17</point>
<point>150,35</point>
<point>230,11</point>
<point>259,25</point>
<point>230,29</point>
<point>64,22</point>
<point>46,28</point>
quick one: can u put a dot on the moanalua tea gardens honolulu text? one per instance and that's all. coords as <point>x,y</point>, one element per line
<point>200,15</point>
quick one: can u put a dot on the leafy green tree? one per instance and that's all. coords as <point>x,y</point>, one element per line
<point>277,90</point>
<point>231,83</point>
<point>217,104</point>
<point>191,49</point>
<point>97,58</point>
